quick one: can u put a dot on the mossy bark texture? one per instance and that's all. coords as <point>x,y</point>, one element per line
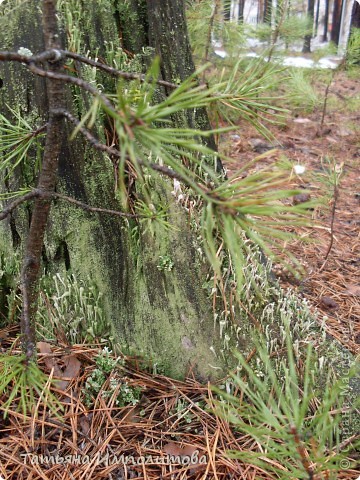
<point>162,314</point>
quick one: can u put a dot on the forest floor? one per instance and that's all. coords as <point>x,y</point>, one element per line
<point>331,278</point>
<point>172,433</point>
<point>176,418</point>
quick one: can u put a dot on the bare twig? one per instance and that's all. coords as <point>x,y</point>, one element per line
<point>39,130</point>
<point>326,96</point>
<point>55,55</point>
<point>89,208</point>
<point>47,55</point>
<point>38,193</point>
<point>13,205</point>
<point>74,81</point>
<point>113,152</point>
<point>94,142</point>
<point>169,173</point>
<point>114,71</point>
<point>333,211</point>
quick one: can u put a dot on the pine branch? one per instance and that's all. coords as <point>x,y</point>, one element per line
<point>113,152</point>
<point>302,452</point>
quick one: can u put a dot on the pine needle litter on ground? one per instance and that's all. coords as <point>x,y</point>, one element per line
<point>170,433</point>
<point>329,250</point>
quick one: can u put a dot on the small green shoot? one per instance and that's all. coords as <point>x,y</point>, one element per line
<point>290,408</point>
<point>23,384</point>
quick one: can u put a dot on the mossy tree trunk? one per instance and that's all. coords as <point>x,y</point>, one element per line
<point>165,31</point>
<point>162,314</point>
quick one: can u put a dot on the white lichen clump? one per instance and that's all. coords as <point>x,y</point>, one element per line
<point>25,51</point>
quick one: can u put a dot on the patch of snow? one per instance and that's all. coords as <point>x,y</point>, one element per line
<point>254,42</point>
<point>221,53</point>
<point>297,62</point>
<point>299,169</point>
<point>327,63</point>
<point>303,62</point>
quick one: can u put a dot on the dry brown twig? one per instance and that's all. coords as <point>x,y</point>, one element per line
<point>333,211</point>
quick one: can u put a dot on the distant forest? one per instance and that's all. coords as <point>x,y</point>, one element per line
<point>331,20</point>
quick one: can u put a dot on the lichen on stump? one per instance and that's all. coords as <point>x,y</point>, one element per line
<point>164,315</point>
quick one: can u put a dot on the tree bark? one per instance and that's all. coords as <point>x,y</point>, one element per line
<point>310,15</point>
<point>260,12</point>
<point>176,63</point>
<point>267,11</point>
<point>241,11</point>
<point>336,21</point>
<point>326,21</point>
<point>355,15</point>
<point>227,10</point>
<point>317,18</point>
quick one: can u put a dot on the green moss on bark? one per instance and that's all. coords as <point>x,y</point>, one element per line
<point>163,315</point>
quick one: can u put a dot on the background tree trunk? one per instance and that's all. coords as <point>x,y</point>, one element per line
<point>355,15</point>
<point>163,315</point>
<point>316,26</point>
<point>336,21</point>
<point>326,21</point>
<point>241,11</point>
<point>260,12</point>
<point>310,15</point>
<point>354,56</point>
<point>166,25</point>
<point>227,10</point>
<point>267,11</point>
